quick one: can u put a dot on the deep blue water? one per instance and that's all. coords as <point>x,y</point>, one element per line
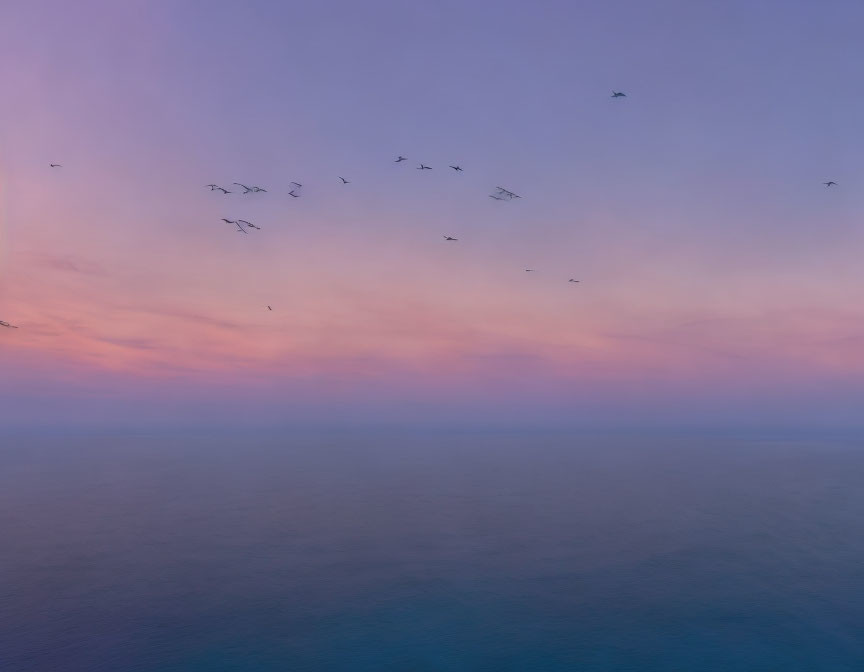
<point>434,552</point>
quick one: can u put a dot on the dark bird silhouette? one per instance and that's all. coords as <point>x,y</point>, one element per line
<point>293,195</point>
<point>297,184</point>
<point>257,189</point>
<point>450,238</point>
<point>249,224</point>
<point>55,165</point>
<point>497,198</point>
<point>504,192</point>
<point>400,159</point>
<point>7,325</point>
<point>618,94</point>
<point>830,183</point>
<point>572,280</point>
<point>246,189</point>
<point>237,223</point>
<point>422,167</point>
<point>344,181</point>
<point>458,169</point>
<point>212,186</point>
<point>224,190</point>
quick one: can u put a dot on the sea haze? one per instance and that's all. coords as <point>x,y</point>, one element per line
<point>460,552</point>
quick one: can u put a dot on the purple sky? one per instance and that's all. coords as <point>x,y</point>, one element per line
<point>721,281</point>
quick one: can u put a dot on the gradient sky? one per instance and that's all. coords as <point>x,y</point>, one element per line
<point>721,282</point>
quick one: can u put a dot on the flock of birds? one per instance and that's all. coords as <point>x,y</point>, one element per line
<point>244,226</point>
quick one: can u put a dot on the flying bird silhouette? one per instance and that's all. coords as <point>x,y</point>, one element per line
<point>257,189</point>
<point>450,238</point>
<point>618,94</point>
<point>297,184</point>
<point>293,195</point>
<point>223,190</point>
<point>7,325</point>
<point>249,224</point>
<point>400,159</point>
<point>458,169</point>
<point>529,270</point>
<point>246,189</point>
<point>572,280</point>
<point>212,186</point>
<point>237,223</point>
<point>422,167</point>
<point>344,181</point>
<point>55,165</point>
<point>497,198</point>
<point>830,183</point>
<point>269,308</point>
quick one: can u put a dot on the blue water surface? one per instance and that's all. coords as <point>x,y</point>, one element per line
<point>431,552</point>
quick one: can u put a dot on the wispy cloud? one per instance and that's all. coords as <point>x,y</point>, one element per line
<point>70,264</point>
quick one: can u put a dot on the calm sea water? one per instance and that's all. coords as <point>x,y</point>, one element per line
<point>436,552</point>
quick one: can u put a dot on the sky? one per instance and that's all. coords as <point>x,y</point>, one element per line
<point>720,280</point>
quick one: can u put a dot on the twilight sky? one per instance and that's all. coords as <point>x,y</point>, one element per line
<point>721,282</point>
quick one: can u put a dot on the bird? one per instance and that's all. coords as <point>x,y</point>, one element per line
<point>344,181</point>
<point>458,169</point>
<point>249,224</point>
<point>7,325</point>
<point>257,189</point>
<point>618,94</point>
<point>269,308</point>
<point>247,189</point>
<point>529,270</point>
<point>55,165</point>
<point>297,184</point>
<point>830,183</point>
<point>422,167</point>
<point>212,186</point>
<point>572,280</point>
<point>497,198</point>
<point>400,159</point>
<point>450,238</point>
<point>292,194</point>
<point>504,192</point>
<point>224,190</point>
<point>237,223</point>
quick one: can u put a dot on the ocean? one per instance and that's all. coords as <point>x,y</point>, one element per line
<point>431,551</point>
